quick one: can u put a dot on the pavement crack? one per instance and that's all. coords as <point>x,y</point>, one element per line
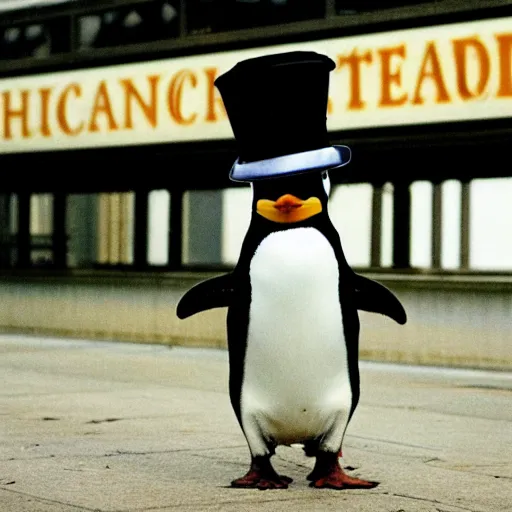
<point>106,420</point>
<point>219,459</point>
<point>398,443</point>
<point>49,501</point>
<point>433,410</point>
<point>434,502</point>
<point>475,469</point>
<point>178,450</point>
<point>485,387</point>
<point>120,453</point>
<point>408,456</point>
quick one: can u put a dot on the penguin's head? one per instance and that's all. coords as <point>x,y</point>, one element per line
<point>291,199</point>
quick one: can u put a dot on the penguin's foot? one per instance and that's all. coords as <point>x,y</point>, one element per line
<point>327,473</point>
<point>262,475</point>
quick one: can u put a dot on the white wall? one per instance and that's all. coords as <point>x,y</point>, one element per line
<point>158,227</point>
<point>350,209</point>
<point>421,224</point>
<point>237,215</point>
<point>491,224</point>
<point>450,227</point>
<point>387,225</point>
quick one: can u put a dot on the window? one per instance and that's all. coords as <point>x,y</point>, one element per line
<point>35,39</point>
<point>219,15</point>
<point>138,23</point>
<point>24,41</point>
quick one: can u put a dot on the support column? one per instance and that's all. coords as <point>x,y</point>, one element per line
<point>376,240</point>
<point>401,225</point>
<point>176,230</point>
<point>74,33</point>
<point>183,18</point>
<point>59,235</point>
<point>23,235</point>
<point>103,229</point>
<point>5,230</point>
<point>140,232</point>
<point>114,222</point>
<point>330,8</point>
<point>125,228</point>
<point>465,213</point>
<point>437,223</point>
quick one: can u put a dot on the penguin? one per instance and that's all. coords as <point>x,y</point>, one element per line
<point>292,298</point>
<point>293,331</point>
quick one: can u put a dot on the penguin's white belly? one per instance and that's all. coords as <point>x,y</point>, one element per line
<point>296,383</point>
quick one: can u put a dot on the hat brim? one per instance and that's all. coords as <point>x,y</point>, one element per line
<point>296,163</point>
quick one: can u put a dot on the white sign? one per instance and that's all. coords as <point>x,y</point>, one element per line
<point>446,73</point>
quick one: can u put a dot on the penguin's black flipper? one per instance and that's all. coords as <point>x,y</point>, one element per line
<point>374,297</point>
<point>216,292</point>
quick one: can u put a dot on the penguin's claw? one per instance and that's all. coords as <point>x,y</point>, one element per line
<point>257,480</point>
<point>342,481</point>
<point>262,475</point>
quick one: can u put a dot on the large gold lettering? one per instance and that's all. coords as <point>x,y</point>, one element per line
<point>431,69</point>
<point>213,100</point>
<point>62,113</point>
<point>45,122</point>
<point>175,96</point>
<point>390,78</point>
<point>354,61</point>
<point>11,113</point>
<point>460,50</point>
<point>149,108</point>
<point>505,55</point>
<point>103,106</point>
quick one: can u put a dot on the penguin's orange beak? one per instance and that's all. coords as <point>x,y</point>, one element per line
<point>288,208</point>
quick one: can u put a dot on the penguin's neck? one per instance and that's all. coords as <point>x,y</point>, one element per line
<point>263,225</point>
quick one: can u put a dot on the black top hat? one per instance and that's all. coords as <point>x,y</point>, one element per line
<point>277,107</point>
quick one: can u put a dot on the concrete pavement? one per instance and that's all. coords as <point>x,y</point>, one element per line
<point>91,426</point>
